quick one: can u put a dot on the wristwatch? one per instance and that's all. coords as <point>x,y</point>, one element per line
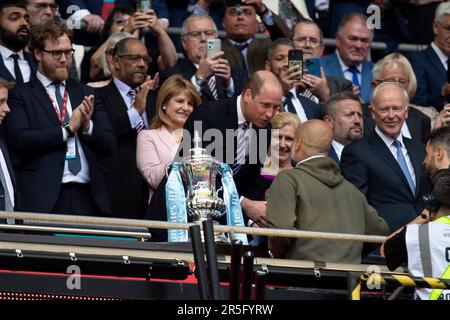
<point>69,132</point>
<point>200,80</point>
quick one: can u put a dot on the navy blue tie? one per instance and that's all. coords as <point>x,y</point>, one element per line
<point>402,163</point>
<point>242,47</point>
<point>289,106</point>
<point>355,73</point>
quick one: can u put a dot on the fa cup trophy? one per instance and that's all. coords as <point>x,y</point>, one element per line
<point>191,192</point>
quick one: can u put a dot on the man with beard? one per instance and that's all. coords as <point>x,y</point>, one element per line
<point>15,64</point>
<point>130,106</point>
<point>353,41</point>
<point>343,113</point>
<point>385,165</point>
<point>437,150</point>
<point>56,134</point>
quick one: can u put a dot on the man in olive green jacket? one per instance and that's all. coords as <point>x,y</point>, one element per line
<point>315,197</point>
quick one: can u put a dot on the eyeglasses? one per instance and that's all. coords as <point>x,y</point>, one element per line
<point>43,6</point>
<point>136,58</point>
<point>314,42</point>
<point>198,34</point>
<point>237,11</point>
<point>396,109</point>
<point>446,28</point>
<point>57,54</point>
<point>402,82</point>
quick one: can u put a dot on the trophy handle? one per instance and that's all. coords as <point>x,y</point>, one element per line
<point>168,168</point>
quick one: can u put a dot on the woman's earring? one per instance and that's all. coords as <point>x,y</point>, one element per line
<point>164,108</point>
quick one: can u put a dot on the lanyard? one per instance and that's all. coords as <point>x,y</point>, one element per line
<point>61,115</point>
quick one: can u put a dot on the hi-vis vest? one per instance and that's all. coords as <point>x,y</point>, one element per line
<point>428,247</point>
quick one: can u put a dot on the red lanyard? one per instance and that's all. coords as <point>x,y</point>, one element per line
<point>61,115</point>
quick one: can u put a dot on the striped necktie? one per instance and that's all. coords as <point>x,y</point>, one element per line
<point>212,87</point>
<point>242,146</point>
<point>132,94</point>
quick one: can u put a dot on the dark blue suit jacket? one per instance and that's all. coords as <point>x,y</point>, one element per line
<point>5,74</point>
<point>187,69</point>
<point>372,168</point>
<point>332,67</point>
<point>34,136</point>
<point>333,155</point>
<point>312,110</point>
<point>431,76</point>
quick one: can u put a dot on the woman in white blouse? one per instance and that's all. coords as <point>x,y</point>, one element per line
<point>156,147</point>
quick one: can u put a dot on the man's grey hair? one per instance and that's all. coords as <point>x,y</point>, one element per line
<point>384,84</point>
<point>441,11</point>
<point>195,16</point>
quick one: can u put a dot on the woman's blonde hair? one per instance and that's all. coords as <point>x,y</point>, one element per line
<point>173,86</point>
<point>400,60</point>
<point>282,119</point>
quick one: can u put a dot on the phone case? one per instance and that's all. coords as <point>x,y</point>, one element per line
<point>213,46</point>
<point>313,66</point>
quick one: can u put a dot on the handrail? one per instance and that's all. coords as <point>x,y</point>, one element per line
<point>183,226</point>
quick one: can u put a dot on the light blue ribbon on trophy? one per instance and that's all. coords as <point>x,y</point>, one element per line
<point>176,204</point>
<point>231,198</point>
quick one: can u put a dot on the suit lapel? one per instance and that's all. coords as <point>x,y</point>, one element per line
<point>385,155</point>
<point>113,98</point>
<point>44,100</point>
<point>232,54</point>
<point>333,155</point>
<point>75,95</point>
<point>4,70</point>
<point>8,163</point>
<point>414,154</point>
<point>335,65</point>
<point>366,79</point>
<point>436,62</point>
<point>31,63</point>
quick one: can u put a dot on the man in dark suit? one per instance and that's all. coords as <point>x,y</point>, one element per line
<point>308,37</point>
<point>430,65</point>
<point>417,125</point>
<point>15,64</point>
<point>9,198</point>
<point>349,60</point>
<point>242,48</point>
<point>343,114</point>
<point>293,99</point>
<point>386,166</point>
<point>56,134</point>
<point>211,76</point>
<point>127,189</point>
<point>253,109</point>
